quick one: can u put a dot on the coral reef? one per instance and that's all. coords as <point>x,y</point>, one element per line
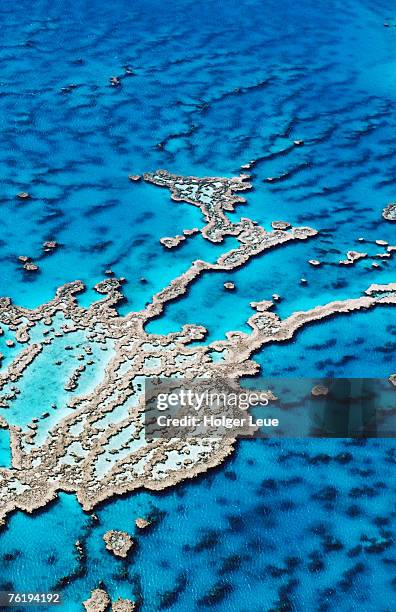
<point>118,542</point>
<point>94,443</point>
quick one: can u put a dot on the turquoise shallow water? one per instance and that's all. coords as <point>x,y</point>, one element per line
<point>283,525</point>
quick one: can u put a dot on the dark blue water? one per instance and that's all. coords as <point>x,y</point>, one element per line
<point>303,525</point>
<point>299,525</point>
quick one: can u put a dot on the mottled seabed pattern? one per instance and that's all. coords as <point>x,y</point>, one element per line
<point>207,90</point>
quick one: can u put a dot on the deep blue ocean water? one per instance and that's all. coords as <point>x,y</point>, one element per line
<point>283,525</point>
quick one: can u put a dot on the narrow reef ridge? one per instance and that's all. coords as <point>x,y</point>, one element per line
<point>92,443</point>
